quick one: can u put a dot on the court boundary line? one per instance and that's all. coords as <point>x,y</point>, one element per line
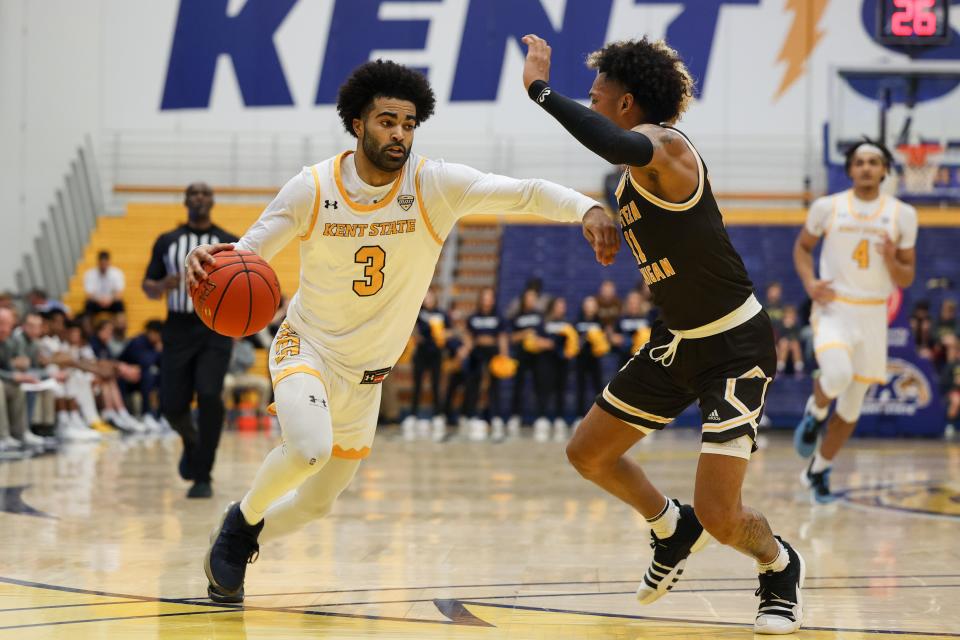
<point>615,593</point>
<point>553,583</point>
<point>946,634</point>
<point>213,607</point>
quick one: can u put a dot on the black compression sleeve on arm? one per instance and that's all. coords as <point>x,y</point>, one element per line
<point>592,130</point>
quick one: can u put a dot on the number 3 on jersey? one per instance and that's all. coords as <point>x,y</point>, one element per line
<point>862,254</point>
<point>374,258</point>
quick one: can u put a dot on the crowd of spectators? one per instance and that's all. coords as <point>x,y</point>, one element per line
<point>80,378</point>
<point>558,346</point>
<point>548,344</point>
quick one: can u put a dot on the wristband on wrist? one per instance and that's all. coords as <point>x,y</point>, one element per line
<point>538,91</point>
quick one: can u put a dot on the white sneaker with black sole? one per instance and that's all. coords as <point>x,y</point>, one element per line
<point>670,555</point>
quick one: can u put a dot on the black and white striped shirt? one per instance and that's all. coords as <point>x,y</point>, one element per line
<point>170,252</point>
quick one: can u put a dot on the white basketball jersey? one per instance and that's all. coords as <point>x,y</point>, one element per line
<point>364,270</point>
<point>851,256</point>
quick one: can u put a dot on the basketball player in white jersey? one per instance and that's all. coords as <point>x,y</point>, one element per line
<point>868,251</point>
<point>370,224</point>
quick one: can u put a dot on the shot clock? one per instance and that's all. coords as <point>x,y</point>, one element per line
<point>913,23</point>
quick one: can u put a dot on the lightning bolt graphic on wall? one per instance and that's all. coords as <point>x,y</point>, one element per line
<point>801,39</point>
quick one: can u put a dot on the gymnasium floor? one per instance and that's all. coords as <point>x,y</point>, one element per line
<point>468,540</point>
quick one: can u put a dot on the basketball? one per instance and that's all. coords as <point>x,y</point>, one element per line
<point>240,295</point>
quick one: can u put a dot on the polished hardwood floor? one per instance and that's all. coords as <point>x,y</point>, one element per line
<point>468,540</point>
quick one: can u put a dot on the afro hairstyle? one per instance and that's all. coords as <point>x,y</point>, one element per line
<point>652,72</point>
<point>387,79</point>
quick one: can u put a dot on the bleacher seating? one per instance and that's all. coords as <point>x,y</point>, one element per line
<point>129,239</point>
<point>561,256</point>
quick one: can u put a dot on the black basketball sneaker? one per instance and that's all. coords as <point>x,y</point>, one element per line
<point>233,545</point>
<point>781,604</point>
<point>819,484</point>
<point>670,555</point>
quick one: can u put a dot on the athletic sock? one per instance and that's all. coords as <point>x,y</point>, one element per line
<point>777,564</point>
<point>820,464</point>
<point>664,524</point>
<point>820,413</point>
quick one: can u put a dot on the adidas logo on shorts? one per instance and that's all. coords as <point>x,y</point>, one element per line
<point>714,416</point>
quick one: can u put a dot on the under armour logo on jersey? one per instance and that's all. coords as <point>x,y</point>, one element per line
<point>322,402</point>
<point>714,416</point>
<point>329,203</point>
<point>543,95</point>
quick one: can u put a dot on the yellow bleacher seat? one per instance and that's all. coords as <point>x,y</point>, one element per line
<point>129,239</point>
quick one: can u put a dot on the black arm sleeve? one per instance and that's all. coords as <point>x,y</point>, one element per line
<point>592,130</point>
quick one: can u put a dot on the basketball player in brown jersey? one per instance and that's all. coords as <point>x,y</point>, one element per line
<point>713,343</point>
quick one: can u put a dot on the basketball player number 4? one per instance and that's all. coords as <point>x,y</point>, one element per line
<point>862,254</point>
<point>373,258</point>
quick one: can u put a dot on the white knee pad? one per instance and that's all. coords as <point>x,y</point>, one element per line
<point>850,402</point>
<point>836,371</point>
<point>305,421</point>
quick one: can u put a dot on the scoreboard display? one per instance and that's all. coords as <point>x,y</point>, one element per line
<point>913,22</point>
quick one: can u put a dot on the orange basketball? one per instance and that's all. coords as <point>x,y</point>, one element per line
<point>240,295</point>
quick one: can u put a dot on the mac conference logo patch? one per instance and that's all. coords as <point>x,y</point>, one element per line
<point>405,202</point>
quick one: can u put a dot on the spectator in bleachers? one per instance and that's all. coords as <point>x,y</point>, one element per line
<point>524,332</point>
<point>454,373</point>
<point>455,355</point>
<point>430,335</point>
<point>486,338</point>
<point>38,300</point>
<point>950,381</point>
<point>559,344</point>
<point>103,286</point>
<point>922,327</point>
<point>144,351</point>
<point>608,304</point>
<point>102,340</point>
<point>773,305</point>
<point>7,301</point>
<point>632,329</point>
<point>41,404</point>
<point>947,320</point>
<point>561,347</point>
<point>104,372</point>
<point>541,299</point>
<point>14,433</point>
<point>240,376</point>
<point>594,345</point>
<point>77,415</point>
<point>789,349</point>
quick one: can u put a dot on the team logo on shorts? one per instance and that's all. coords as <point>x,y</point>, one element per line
<point>375,377</point>
<point>906,391</point>
<point>405,202</point>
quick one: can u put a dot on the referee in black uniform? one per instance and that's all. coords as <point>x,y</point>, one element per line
<point>194,357</point>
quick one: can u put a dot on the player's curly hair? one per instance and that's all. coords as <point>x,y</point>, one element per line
<point>383,78</point>
<point>652,72</point>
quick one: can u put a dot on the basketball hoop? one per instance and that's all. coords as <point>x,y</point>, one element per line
<point>919,170</point>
